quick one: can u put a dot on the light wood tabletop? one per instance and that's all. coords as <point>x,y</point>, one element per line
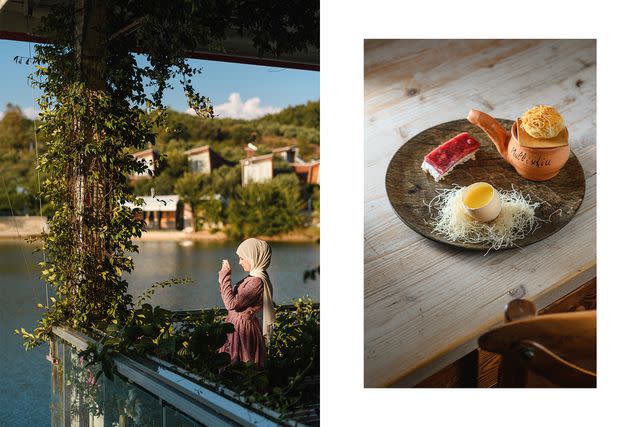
<point>426,303</point>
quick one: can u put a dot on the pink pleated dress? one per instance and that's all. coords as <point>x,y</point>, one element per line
<point>246,343</point>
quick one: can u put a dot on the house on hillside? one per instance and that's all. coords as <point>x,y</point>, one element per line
<point>162,212</point>
<point>308,172</point>
<point>257,169</point>
<point>289,154</point>
<point>204,159</point>
<point>149,156</point>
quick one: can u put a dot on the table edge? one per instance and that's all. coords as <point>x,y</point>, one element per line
<point>426,368</point>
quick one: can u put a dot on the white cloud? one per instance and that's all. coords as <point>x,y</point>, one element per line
<point>1,114</point>
<point>30,113</point>
<point>234,108</point>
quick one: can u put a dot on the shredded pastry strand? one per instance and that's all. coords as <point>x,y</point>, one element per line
<point>516,220</point>
<point>542,121</point>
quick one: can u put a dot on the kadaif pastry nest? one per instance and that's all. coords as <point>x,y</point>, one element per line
<point>542,121</point>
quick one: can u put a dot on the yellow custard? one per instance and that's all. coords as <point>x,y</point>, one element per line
<point>478,196</point>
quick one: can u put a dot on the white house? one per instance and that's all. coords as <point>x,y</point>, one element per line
<point>257,169</point>
<point>162,212</point>
<point>149,157</point>
<point>288,153</point>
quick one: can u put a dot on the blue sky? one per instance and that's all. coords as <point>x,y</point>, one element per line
<point>237,90</point>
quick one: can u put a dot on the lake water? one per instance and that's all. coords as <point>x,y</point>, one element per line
<point>25,377</point>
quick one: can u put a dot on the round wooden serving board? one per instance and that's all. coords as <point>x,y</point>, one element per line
<point>409,188</point>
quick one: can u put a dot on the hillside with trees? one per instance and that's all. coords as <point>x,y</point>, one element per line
<point>299,125</point>
<point>218,196</point>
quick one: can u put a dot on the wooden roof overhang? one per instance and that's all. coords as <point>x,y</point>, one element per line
<point>19,20</point>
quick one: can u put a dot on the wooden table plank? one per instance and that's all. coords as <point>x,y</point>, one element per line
<point>426,303</point>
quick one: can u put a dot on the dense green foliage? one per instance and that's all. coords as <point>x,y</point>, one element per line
<point>192,188</point>
<point>225,181</point>
<point>292,374</point>
<point>89,238</point>
<point>307,116</point>
<point>267,208</point>
<point>294,351</point>
<point>298,125</point>
<point>193,342</point>
<point>17,166</point>
<point>16,131</point>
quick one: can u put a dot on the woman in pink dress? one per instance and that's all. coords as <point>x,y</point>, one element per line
<point>252,294</point>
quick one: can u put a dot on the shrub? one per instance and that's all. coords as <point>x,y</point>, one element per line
<point>266,209</point>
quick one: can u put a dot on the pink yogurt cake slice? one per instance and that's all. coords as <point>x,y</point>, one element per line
<point>443,159</point>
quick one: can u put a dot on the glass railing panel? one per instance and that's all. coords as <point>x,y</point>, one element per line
<point>79,399</point>
<point>173,417</point>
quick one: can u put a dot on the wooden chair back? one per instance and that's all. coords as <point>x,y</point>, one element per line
<point>559,347</point>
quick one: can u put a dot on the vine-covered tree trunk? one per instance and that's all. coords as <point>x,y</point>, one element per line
<point>88,195</point>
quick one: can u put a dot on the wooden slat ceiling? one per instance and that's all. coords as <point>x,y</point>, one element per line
<point>16,24</point>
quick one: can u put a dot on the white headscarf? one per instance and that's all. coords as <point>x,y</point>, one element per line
<point>258,253</point>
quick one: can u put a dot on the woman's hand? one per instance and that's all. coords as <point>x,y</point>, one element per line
<point>226,266</point>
